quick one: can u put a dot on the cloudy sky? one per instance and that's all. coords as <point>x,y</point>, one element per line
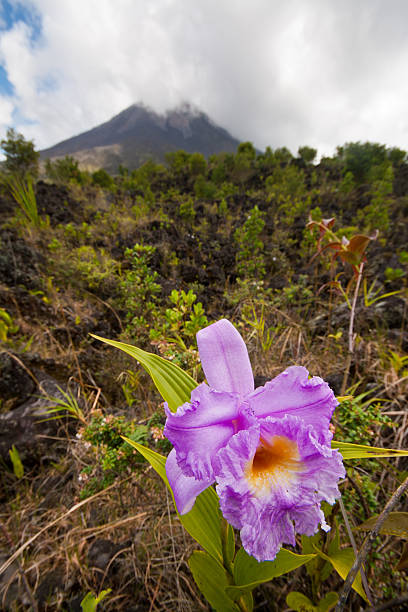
<point>278,73</point>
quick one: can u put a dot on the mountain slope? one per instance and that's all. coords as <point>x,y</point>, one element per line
<point>138,133</point>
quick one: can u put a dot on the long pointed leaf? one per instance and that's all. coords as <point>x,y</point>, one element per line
<point>211,579</point>
<point>342,560</point>
<point>395,524</point>
<point>248,572</point>
<point>173,384</point>
<point>359,451</point>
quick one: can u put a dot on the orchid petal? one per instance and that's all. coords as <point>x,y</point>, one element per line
<point>294,393</point>
<point>185,488</point>
<point>264,499</point>
<point>225,359</point>
<point>200,428</point>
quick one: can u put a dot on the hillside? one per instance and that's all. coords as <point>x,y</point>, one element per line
<point>138,134</point>
<point>308,260</point>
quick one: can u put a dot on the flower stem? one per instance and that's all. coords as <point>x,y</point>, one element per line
<point>351,338</point>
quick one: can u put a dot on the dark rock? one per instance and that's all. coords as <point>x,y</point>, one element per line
<point>16,385</point>
<point>335,381</point>
<point>52,582</point>
<point>28,426</point>
<point>260,381</point>
<point>102,551</point>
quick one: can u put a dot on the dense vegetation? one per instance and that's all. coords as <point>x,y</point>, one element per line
<point>149,257</point>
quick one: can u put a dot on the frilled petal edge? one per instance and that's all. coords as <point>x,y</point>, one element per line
<point>225,359</point>
<point>294,393</point>
<point>200,428</point>
<point>185,488</point>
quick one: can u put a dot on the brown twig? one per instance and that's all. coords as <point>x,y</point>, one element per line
<point>351,337</point>
<point>360,558</point>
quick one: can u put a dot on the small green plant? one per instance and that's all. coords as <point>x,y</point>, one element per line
<point>18,467</point>
<point>393,274</point>
<point>23,193</point>
<point>175,337</point>
<point>359,417</point>
<point>6,325</point>
<point>114,455</point>
<point>66,405</point>
<point>139,290</point>
<point>90,601</point>
<point>92,267</point>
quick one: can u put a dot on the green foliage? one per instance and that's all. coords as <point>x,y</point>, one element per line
<point>90,266</point>
<point>18,467</point>
<point>90,601</point>
<point>250,257</point>
<point>359,417</point>
<point>360,158</point>
<point>300,603</point>
<point>244,162</point>
<point>186,318</point>
<point>247,149</point>
<point>212,579</point>
<point>393,274</point>
<point>114,456</point>
<point>307,154</point>
<point>223,208</point>
<point>348,183</point>
<point>175,336</point>
<point>21,157</point>
<point>64,170</point>
<point>286,184</point>
<point>375,215</point>
<point>198,164</point>
<point>22,191</point>
<point>283,156</point>
<point>65,404</point>
<point>103,179</point>
<point>139,290</point>
<point>396,524</point>
<point>186,209</point>
<point>6,325</point>
<point>205,190</point>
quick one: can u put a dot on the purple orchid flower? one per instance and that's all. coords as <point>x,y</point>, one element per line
<point>267,449</point>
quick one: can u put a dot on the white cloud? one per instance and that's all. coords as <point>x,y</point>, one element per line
<point>319,73</point>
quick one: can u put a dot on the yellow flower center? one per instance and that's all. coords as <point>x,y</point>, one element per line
<point>275,464</point>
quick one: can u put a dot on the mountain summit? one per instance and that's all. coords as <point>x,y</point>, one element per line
<point>138,133</point>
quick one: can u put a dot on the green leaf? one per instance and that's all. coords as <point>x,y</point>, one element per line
<point>204,521</point>
<point>90,602</point>
<point>359,451</point>
<point>328,602</point>
<point>248,572</point>
<point>395,524</point>
<point>342,561</point>
<point>18,467</point>
<point>299,602</point>
<point>212,579</point>
<point>173,384</point>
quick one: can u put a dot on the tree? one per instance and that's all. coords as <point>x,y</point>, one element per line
<point>21,156</point>
<point>308,154</point>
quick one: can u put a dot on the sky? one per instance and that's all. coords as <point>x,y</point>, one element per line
<point>277,73</point>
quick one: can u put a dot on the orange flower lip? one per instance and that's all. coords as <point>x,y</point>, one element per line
<point>275,463</point>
